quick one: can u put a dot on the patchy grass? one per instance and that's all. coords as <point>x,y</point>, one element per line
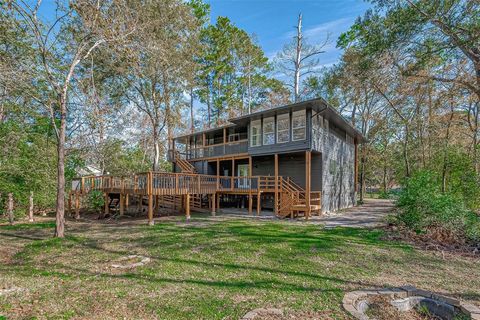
<point>211,269</point>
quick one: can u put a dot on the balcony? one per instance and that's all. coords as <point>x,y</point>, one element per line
<point>215,150</point>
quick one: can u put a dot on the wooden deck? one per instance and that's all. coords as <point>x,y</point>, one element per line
<point>187,188</point>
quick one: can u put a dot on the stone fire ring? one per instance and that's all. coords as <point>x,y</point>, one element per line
<point>143,261</point>
<point>355,302</point>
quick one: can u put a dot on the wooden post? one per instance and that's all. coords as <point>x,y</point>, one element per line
<point>218,202</point>
<point>127,201</point>
<point>187,206</point>
<point>77,206</point>
<point>70,203</point>
<point>10,208</point>
<point>122,204</point>
<point>213,204</point>
<point>275,206</point>
<point>308,176</point>
<point>107,208</point>
<point>150,200</point>
<point>259,205</point>
<point>218,174</point>
<point>250,202</point>
<point>233,174</point>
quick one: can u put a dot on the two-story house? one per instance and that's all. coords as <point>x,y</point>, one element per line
<point>308,144</point>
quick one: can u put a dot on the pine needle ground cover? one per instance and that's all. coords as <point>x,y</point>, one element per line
<point>209,269</point>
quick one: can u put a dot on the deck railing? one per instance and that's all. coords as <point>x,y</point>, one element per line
<point>165,183</point>
<point>215,150</point>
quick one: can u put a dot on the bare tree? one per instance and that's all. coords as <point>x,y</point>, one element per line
<point>60,51</point>
<point>298,59</point>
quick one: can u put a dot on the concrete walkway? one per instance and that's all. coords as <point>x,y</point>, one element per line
<point>371,214</point>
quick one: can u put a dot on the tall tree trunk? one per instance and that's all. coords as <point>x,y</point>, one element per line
<point>30,207</point>
<point>60,214</point>
<point>405,151</point>
<point>298,59</point>
<point>156,147</point>
<point>445,151</point>
<point>10,208</point>
<point>192,120</point>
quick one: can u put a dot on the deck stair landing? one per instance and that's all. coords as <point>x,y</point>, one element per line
<point>293,200</point>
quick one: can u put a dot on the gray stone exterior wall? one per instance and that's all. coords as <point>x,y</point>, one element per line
<point>338,161</point>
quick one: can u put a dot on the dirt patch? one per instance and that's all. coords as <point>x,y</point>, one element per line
<point>381,309</point>
<point>130,262</point>
<point>277,314</point>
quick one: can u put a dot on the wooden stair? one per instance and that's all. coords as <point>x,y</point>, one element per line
<point>183,164</point>
<point>174,202</point>
<point>293,202</point>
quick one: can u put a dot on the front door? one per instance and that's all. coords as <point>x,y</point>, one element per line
<point>243,172</point>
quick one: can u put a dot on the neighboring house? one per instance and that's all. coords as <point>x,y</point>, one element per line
<point>308,144</point>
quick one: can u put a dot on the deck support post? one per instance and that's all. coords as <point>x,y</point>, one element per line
<point>122,204</point>
<point>259,203</point>
<point>275,206</point>
<point>218,202</point>
<point>150,210</point>
<point>308,184</point>
<point>150,198</point>
<point>213,203</point>
<point>77,206</point>
<point>187,206</point>
<point>70,204</point>
<point>250,203</point>
<point>126,201</point>
<point>107,208</point>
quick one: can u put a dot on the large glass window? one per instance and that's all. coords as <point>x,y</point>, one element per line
<point>299,125</point>
<point>283,128</point>
<point>268,131</point>
<point>255,133</point>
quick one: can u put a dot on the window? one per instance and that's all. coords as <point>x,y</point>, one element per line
<point>268,131</point>
<point>283,128</point>
<point>299,125</point>
<point>255,133</point>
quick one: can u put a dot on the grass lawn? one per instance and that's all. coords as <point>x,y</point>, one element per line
<point>210,269</point>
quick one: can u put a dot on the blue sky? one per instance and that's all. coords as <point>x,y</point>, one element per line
<point>273,21</point>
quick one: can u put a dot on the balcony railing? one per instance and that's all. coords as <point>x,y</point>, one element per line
<point>215,150</point>
<point>165,183</point>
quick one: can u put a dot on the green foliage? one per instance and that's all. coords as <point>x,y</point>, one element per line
<point>96,200</point>
<point>423,206</point>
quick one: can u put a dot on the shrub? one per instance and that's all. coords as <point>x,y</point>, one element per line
<point>96,200</point>
<point>424,207</point>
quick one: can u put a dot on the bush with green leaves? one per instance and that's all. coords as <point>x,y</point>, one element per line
<point>423,206</point>
<point>96,200</point>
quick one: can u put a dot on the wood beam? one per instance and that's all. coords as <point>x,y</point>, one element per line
<point>107,208</point>
<point>150,210</point>
<point>275,206</point>
<point>187,206</point>
<point>259,203</point>
<point>250,202</point>
<point>122,204</point>
<point>77,206</point>
<point>213,204</point>
<point>308,184</point>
